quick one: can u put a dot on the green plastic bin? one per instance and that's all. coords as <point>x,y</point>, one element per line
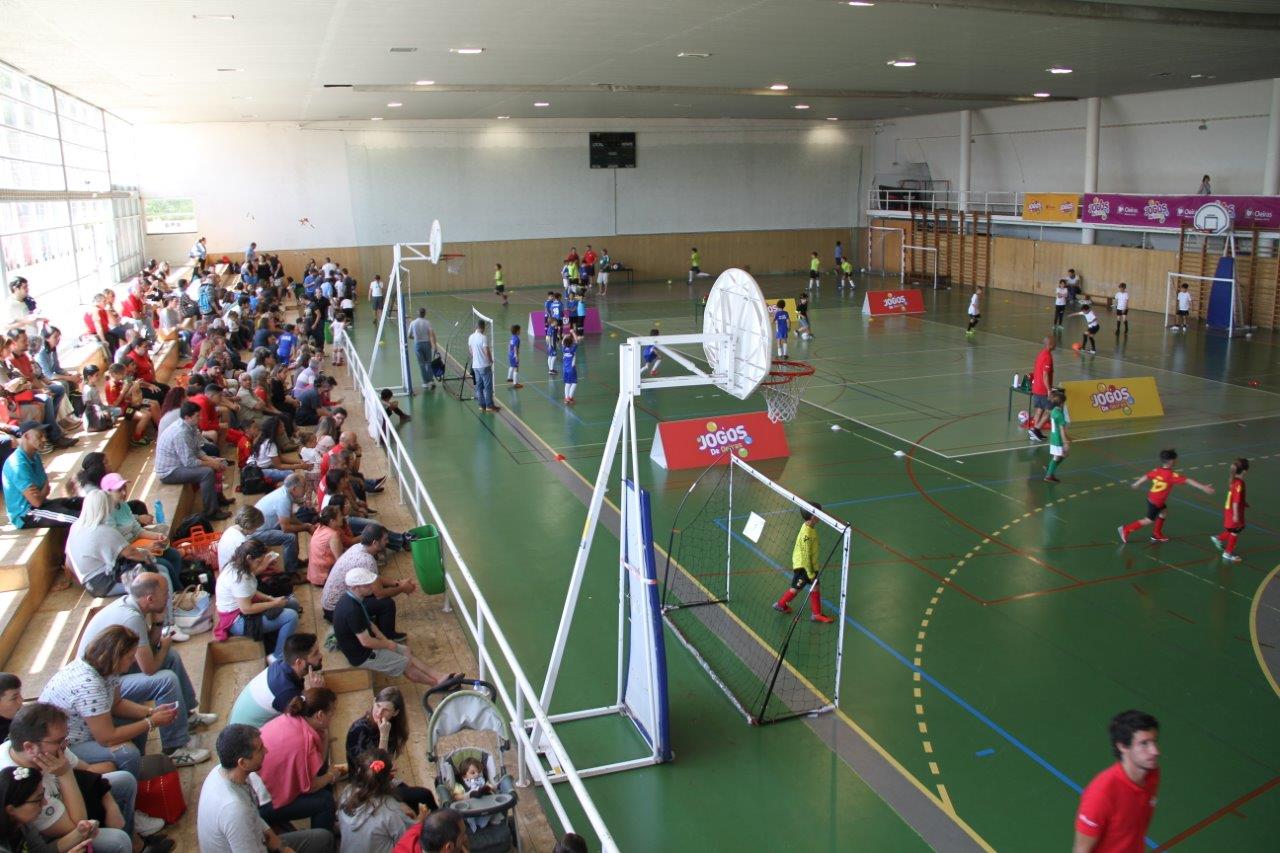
<point>428,562</point>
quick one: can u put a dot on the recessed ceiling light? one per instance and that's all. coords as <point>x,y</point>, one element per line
<point>395,104</point>
<point>230,69</point>
<point>1059,69</point>
<point>902,63</point>
<point>685,54</point>
<point>376,118</point>
<point>859,3</point>
<point>504,116</point>
<point>424,82</point>
<point>466,51</point>
<point>213,17</point>
<point>832,118</point>
<point>1039,94</point>
<point>403,50</point>
<point>1196,76</point>
<point>542,103</point>
<point>801,106</point>
<point>779,87</point>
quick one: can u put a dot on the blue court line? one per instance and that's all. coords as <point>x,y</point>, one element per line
<point>553,401</point>
<point>942,688</point>
<point>983,753</point>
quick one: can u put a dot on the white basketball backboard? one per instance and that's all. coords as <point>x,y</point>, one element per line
<point>435,244</point>
<point>736,307</point>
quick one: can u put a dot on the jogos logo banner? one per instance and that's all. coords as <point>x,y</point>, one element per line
<point>885,303</point>
<point>1113,399</point>
<point>699,442</point>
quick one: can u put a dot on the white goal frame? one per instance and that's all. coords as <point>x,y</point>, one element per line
<point>402,254</point>
<point>902,262</point>
<point>1171,288</point>
<point>871,231</point>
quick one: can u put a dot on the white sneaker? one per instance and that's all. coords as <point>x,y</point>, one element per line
<point>177,634</point>
<point>196,719</point>
<point>146,825</point>
<point>187,757</point>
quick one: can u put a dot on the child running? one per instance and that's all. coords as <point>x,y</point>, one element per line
<point>1162,479</point>
<point>499,283</point>
<point>802,313</point>
<point>1059,444</point>
<point>1087,342</point>
<point>804,562</point>
<point>1232,513</point>
<point>782,323</point>
<point>513,358</point>
<point>569,364</point>
<point>975,310</point>
<point>1122,307</point>
<point>815,271</point>
<point>649,354</point>
<point>1184,307</point>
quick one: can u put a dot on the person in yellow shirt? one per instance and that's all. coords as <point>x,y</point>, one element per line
<point>695,264</point>
<point>804,562</point>
<point>815,271</point>
<point>499,283</point>
<point>846,274</point>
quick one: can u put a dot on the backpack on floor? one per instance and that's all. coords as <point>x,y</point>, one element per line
<point>252,482</point>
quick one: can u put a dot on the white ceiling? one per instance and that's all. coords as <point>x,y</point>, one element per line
<point>151,61</point>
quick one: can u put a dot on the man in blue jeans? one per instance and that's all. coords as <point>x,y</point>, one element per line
<point>424,346</point>
<point>279,527</point>
<point>482,366</point>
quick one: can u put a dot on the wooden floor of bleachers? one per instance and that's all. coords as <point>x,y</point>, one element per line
<point>39,630</point>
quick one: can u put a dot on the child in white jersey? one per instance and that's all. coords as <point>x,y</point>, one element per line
<point>1060,303</point>
<point>1184,307</point>
<point>975,310</point>
<point>1087,342</point>
<point>1122,308</point>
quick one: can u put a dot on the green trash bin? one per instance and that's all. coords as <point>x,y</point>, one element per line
<point>428,563</point>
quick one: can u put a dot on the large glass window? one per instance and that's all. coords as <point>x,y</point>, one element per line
<point>54,146</point>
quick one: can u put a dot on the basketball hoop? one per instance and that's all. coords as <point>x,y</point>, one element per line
<point>453,263</point>
<point>783,387</point>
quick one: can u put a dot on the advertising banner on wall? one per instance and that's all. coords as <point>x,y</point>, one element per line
<point>1207,212</point>
<point>1051,207</point>
<point>886,303</point>
<point>698,442</point>
<point>1113,399</point>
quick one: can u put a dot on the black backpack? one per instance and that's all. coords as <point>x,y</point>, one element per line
<point>252,482</point>
<point>182,529</point>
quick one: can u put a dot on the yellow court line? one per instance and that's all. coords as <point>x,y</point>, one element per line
<point>1253,630</point>
<point>943,801</point>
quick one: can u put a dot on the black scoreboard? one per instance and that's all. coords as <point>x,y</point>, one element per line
<point>613,150</point>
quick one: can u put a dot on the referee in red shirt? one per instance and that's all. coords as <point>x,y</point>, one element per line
<point>1116,808</point>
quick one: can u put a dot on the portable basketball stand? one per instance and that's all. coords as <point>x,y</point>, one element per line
<point>403,254</point>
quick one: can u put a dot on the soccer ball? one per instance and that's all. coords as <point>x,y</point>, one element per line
<point>1076,346</point>
<point>1023,418</point>
<point>806,336</point>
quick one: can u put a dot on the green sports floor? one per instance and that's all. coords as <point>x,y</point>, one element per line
<point>995,622</point>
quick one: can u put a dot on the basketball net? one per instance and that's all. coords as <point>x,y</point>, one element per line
<point>784,387</point>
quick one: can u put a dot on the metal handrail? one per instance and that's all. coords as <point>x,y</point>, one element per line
<point>902,200</point>
<point>483,625</point>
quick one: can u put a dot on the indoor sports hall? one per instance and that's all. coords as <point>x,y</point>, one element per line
<point>848,426</point>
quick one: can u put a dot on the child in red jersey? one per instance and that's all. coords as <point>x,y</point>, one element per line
<point>1232,513</point>
<point>1162,479</point>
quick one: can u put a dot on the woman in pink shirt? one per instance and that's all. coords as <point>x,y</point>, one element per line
<point>295,769</point>
<point>327,545</point>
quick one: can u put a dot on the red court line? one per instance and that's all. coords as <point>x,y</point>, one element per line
<point>1229,807</point>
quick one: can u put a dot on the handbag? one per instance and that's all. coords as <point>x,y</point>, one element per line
<point>192,610</point>
<point>161,796</point>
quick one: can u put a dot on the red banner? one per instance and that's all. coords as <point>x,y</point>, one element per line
<point>699,442</point>
<point>886,303</point>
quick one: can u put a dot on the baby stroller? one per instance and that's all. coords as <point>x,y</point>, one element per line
<point>490,817</point>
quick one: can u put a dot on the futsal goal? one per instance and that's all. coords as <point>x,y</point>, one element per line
<point>884,243</point>
<point>1218,295</point>
<point>729,559</point>
<point>907,272</point>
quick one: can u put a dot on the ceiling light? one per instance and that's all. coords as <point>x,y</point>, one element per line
<point>403,50</point>
<point>902,63</point>
<point>376,118</point>
<point>685,54</point>
<point>1196,76</point>
<point>424,82</point>
<point>542,103</point>
<point>466,51</point>
<point>213,17</point>
<point>1039,94</point>
<point>502,117</point>
<point>801,106</point>
<point>1059,69</point>
<point>859,3</point>
<point>230,69</point>
<point>832,118</point>
<point>779,87</point>
<point>395,104</point>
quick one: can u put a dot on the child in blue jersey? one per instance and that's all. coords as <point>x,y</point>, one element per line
<point>580,317</point>
<point>554,311</point>
<point>569,361</point>
<point>782,324</point>
<point>649,355</point>
<point>285,344</point>
<point>513,358</point>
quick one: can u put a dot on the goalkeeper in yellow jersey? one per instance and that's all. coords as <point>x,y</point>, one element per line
<point>804,562</point>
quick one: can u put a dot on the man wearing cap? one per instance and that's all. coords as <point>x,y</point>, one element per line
<point>381,605</point>
<point>26,485</point>
<point>360,640</point>
<point>179,460</point>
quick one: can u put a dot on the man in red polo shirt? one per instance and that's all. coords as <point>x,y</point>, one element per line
<point>1116,808</point>
<point>145,370</point>
<point>1041,382</point>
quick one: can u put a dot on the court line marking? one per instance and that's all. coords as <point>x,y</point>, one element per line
<point>1253,629</point>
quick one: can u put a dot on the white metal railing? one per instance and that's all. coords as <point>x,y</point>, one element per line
<point>481,624</point>
<point>904,201</point>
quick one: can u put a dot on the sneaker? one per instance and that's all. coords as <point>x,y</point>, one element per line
<point>1049,478</point>
<point>820,617</point>
<point>158,843</point>
<point>145,824</point>
<point>139,442</point>
<point>780,607</point>
<point>197,719</point>
<point>1034,436</point>
<point>65,442</point>
<point>1155,538</point>
<point>518,385</point>
<point>1217,543</point>
<point>1231,558</point>
<point>1124,537</point>
<point>397,636</point>
<point>177,634</point>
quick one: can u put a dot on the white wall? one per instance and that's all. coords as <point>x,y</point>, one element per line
<point>1148,143</point>
<point>500,180</point>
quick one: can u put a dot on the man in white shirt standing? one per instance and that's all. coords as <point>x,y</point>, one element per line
<point>482,366</point>
<point>375,295</point>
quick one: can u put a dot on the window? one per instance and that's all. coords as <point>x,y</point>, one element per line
<point>52,147</point>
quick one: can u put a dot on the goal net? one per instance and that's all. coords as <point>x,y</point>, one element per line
<point>1215,299</point>
<point>918,263</point>
<point>884,246</point>
<point>457,353</point>
<point>729,559</point>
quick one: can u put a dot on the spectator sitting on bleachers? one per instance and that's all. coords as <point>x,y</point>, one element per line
<point>26,485</point>
<point>281,523</point>
<point>28,403</point>
<point>265,453</point>
<point>73,789</point>
<point>10,701</point>
<point>145,371</point>
<point>269,692</point>
<point>338,484</point>
<point>99,555</point>
<point>244,611</point>
<point>131,528</point>
<point>180,460</point>
<point>386,726</point>
<point>125,392</point>
<point>360,640</point>
<point>228,816</point>
<point>380,605</point>
<point>295,770</point>
<point>19,363</point>
<point>170,409</point>
<point>442,831</point>
<point>157,673</point>
<point>370,817</point>
<point>251,405</point>
<point>88,690</point>
<point>248,518</point>
<point>51,368</point>
<point>327,544</point>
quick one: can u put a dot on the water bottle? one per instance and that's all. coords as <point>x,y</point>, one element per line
<point>159,508</point>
